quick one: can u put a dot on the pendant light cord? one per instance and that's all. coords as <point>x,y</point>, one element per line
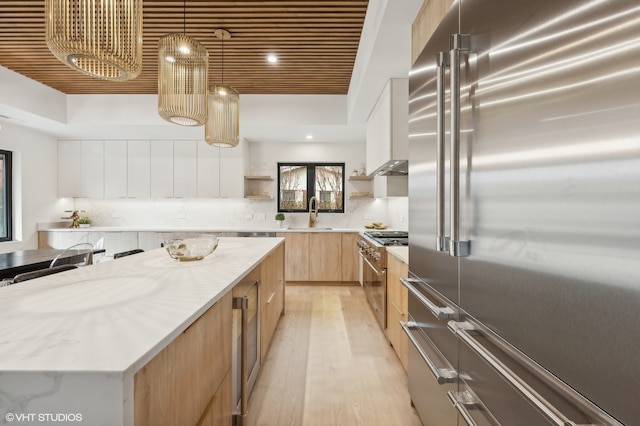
<point>184,17</point>
<point>222,61</point>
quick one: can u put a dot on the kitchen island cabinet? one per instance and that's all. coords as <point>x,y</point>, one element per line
<point>123,342</point>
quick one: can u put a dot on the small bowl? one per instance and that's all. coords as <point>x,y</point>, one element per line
<point>192,249</point>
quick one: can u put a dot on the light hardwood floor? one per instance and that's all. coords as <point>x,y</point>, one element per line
<point>330,364</point>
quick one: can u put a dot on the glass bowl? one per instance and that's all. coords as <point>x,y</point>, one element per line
<point>192,248</point>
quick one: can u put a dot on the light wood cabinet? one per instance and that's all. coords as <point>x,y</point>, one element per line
<point>350,258</point>
<point>296,256</point>
<point>320,256</point>
<point>325,256</point>
<point>397,306</point>
<point>271,296</point>
<point>182,383</point>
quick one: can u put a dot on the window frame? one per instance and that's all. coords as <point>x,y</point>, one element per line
<point>6,200</point>
<point>310,183</point>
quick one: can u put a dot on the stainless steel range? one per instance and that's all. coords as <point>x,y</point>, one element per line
<point>374,272</point>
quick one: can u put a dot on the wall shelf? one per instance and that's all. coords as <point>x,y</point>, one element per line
<point>258,187</point>
<point>360,177</point>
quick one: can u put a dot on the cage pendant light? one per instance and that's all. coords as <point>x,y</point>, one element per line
<point>183,65</point>
<point>100,38</point>
<point>223,110</point>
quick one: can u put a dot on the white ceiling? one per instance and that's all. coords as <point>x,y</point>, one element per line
<point>383,53</point>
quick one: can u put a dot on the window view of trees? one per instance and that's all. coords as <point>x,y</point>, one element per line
<point>298,182</point>
<point>5,196</point>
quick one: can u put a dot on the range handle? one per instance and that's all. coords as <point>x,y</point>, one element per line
<point>442,62</point>
<point>462,331</point>
<point>442,375</point>
<point>460,43</point>
<point>378,272</point>
<point>439,312</point>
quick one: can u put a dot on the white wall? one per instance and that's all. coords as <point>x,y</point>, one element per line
<point>254,214</point>
<point>35,183</point>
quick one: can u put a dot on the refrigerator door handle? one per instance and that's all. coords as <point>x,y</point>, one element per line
<point>442,375</point>
<point>462,400</point>
<point>441,313</point>
<point>462,330</point>
<point>460,43</point>
<point>442,62</point>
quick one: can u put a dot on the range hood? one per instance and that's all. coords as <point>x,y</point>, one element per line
<point>392,168</point>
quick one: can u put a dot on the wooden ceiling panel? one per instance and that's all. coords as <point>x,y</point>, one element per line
<point>316,42</point>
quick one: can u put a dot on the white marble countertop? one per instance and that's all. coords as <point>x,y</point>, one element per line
<point>100,324</point>
<point>401,252</point>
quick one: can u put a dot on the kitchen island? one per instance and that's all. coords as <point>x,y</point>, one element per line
<point>71,344</point>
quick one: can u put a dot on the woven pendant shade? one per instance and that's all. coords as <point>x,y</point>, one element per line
<point>222,127</point>
<point>183,65</point>
<point>100,38</point>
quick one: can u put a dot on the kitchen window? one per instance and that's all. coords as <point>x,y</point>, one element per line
<point>6,224</point>
<point>298,182</point>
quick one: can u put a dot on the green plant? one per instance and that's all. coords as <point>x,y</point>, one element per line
<point>279,216</point>
<point>85,221</point>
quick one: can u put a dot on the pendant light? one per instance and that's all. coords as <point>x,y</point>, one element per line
<point>223,109</point>
<point>100,38</point>
<point>183,65</point>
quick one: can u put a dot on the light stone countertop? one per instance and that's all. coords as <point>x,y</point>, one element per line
<point>401,252</point>
<point>96,326</point>
<point>213,230</point>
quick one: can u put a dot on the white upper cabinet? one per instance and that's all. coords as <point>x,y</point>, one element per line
<point>185,171</point>
<point>220,171</point>
<point>388,137</point>
<point>81,169</point>
<point>208,178</point>
<point>138,169</point>
<point>115,169</point>
<point>232,172</point>
<point>149,169</point>
<point>161,164</point>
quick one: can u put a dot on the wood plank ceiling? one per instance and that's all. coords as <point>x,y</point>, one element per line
<point>315,40</point>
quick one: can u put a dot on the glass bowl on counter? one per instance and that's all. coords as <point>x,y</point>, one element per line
<point>191,249</point>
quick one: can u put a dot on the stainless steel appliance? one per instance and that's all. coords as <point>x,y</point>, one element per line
<point>524,215</point>
<point>374,274</point>
<point>245,347</point>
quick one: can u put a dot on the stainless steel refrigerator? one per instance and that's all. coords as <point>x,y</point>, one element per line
<point>524,215</point>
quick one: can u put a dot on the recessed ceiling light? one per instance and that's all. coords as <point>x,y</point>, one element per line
<point>272,59</point>
<point>309,136</point>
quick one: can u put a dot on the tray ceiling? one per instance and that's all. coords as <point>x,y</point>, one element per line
<point>316,43</point>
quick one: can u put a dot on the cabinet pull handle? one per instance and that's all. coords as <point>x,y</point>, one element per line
<point>462,400</point>
<point>442,375</point>
<point>442,241</point>
<point>271,297</point>
<point>460,44</point>
<point>461,329</point>
<point>441,313</point>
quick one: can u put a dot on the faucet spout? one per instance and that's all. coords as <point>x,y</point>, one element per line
<point>313,210</point>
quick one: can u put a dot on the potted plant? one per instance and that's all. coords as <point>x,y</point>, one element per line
<point>84,222</point>
<point>280,219</point>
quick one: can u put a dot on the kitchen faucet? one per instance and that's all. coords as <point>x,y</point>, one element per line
<point>313,210</point>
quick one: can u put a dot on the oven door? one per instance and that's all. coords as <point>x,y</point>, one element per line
<point>374,281</point>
